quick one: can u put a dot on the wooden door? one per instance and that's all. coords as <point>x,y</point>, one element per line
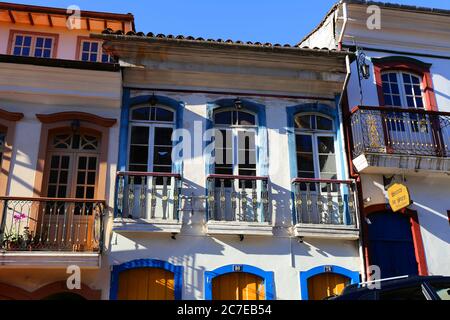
<point>326,285</point>
<point>238,286</point>
<point>146,284</point>
<point>391,244</point>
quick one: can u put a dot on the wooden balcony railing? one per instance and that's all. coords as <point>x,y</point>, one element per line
<point>400,131</point>
<point>148,195</point>
<point>325,202</point>
<point>238,198</point>
<point>51,224</point>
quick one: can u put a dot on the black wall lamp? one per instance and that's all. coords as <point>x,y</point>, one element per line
<point>364,68</point>
<point>238,103</point>
<point>153,100</point>
<point>75,126</point>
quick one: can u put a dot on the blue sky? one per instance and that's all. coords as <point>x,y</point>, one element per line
<point>276,21</point>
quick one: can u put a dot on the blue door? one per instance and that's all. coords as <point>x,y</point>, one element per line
<point>391,244</point>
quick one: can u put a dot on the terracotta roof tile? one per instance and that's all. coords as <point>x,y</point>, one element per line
<point>209,40</point>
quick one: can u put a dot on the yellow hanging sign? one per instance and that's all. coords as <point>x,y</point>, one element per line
<point>398,196</point>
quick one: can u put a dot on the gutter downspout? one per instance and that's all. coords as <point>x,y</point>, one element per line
<point>352,174</point>
<point>344,26</point>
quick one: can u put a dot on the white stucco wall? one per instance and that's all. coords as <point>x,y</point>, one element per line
<point>198,253</point>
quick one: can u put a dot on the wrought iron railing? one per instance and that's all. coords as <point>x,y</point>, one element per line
<point>400,131</point>
<point>238,198</point>
<point>324,202</point>
<point>51,224</point>
<point>148,195</point>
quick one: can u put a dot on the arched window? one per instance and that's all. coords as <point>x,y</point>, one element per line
<point>315,146</point>
<point>235,142</point>
<point>402,89</point>
<point>150,146</point>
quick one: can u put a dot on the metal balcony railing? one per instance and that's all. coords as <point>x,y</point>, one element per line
<point>148,195</point>
<point>325,202</point>
<point>51,224</point>
<point>400,131</point>
<point>238,198</point>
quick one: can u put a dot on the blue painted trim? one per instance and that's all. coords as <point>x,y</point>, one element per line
<point>305,275</point>
<point>291,112</point>
<point>146,263</point>
<point>268,277</point>
<point>123,134</point>
<point>260,111</point>
<point>342,158</point>
<point>262,158</point>
<point>127,104</point>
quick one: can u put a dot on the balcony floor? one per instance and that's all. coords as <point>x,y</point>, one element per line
<point>338,232</point>
<point>238,228</point>
<point>48,259</point>
<point>143,225</point>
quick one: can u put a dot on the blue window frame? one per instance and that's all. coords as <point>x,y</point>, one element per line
<point>244,117</point>
<point>267,276</point>
<point>306,275</point>
<point>146,263</point>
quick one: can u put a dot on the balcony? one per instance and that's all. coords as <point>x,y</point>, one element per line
<point>238,205</point>
<point>51,232</point>
<point>387,139</point>
<point>325,209</point>
<point>147,202</point>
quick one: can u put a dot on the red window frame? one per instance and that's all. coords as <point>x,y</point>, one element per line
<point>420,69</point>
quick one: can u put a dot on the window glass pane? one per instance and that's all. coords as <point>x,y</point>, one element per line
<point>163,115</point>
<point>327,164</point>
<point>46,53</point>
<point>324,123</point>
<point>162,156</point>
<point>94,46</point>
<point>38,53</point>
<point>245,118</point>
<point>392,77</point>
<point>39,42</point>
<point>92,163</point>
<point>85,57</point>
<point>396,101</point>
<point>224,117</point>
<point>163,136</point>
<point>93,57</point>
<point>304,143</point>
<point>223,145</point>
<point>139,135</point>
<point>138,155</point>
<point>105,58</point>
<point>26,52</point>
<point>141,114</point>
<point>48,43</point>
<point>305,162</point>
<point>19,40</point>
<point>86,46</point>
<point>303,122</point>
<point>325,144</point>
<point>27,41</point>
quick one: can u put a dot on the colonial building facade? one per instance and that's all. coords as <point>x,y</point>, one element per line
<point>256,202</point>
<point>172,167</point>
<point>60,103</point>
<point>397,124</point>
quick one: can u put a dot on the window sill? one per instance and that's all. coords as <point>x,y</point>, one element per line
<point>146,226</point>
<point>238,228</point>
